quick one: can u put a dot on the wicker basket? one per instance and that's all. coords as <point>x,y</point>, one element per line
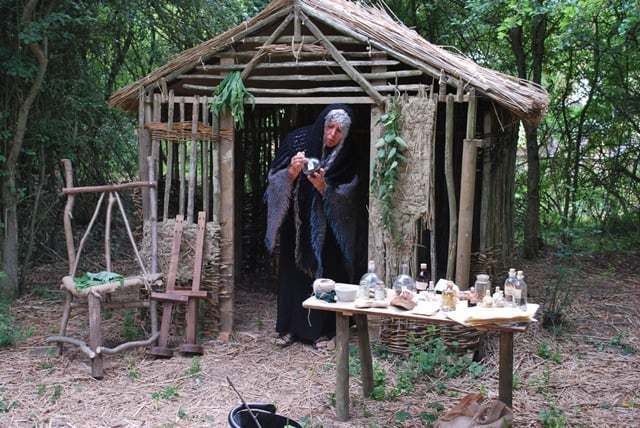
<point>396,335</point>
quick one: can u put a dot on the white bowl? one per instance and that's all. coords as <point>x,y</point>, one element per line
<point>323,285</point>
<point>346,292</point>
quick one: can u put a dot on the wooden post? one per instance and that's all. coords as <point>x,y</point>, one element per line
<point>205,160</point>
<point>451,187</point>
<point>168,178</point>
<point>181,165</point>
<point>68,209</point>
<point>107,232</point>
<point>215,168</point>
<point>148,114</point>
<point>227,219</point>
<point>366,365</point>
<point>342,367</point>
<point>376,238</point>
<point>505,393</point>
<point>155,143</point>
<point>71,252</point>
<point>193,157</point>
<point>467,195</point>
<point>485,195</point>
<point>143,149</point>
<point>95,334</point>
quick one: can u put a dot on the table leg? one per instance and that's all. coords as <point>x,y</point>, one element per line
<point>95,334</point>
<point>505,393</point>
<point>342,367</point>
<point>366,365</point>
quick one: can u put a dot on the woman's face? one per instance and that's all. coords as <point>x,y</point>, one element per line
<point>332,134</point>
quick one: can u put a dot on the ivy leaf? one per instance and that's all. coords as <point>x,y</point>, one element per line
<point>380,143</point>
<point>401,142</point>
<point>394,165</point>
<point>392,153</point>
<point>390,137</point>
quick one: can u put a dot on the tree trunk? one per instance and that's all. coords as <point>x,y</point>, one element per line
<point>9,192</point>
<point>532,221</point>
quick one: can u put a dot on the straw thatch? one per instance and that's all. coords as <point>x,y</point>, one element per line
<point>371,26</point>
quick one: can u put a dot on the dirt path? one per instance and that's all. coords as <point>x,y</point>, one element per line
<point>589,370</point>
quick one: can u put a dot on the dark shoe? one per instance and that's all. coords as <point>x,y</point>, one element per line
<point>284,340</point>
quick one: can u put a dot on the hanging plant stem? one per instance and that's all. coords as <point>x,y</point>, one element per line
<point>389,158</point>
<point>230,94</point>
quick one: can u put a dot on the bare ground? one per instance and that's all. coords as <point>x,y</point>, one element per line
<point>594,380</point>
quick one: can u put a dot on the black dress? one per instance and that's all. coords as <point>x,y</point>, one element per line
<point>317,233</point>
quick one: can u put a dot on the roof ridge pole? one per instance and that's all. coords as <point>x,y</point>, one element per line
<point>258,56</point>
<point>340,59</point>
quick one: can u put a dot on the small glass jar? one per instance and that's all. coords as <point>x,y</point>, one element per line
<point>482,285</point>
<point>449,298</point>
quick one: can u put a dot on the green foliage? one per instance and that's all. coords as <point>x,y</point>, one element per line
<point>558,295</point>
<point>9,334</point>
<point>168,393</point>
<point>379,382</point>
<point>389,158</point>
<point>552,418</point>
<point>230,95</point>
<point>130,329</point>
<point>56,394</point>
<point>544,351</point>
<point>195,369</point>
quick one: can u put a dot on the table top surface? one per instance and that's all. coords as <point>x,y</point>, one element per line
<point>439,317</point>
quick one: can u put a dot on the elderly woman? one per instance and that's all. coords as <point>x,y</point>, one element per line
<point>314,217</point>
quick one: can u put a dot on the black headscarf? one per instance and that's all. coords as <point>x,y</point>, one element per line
<point>313,212</point>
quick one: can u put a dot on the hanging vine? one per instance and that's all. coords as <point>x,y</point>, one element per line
<point>389,157</point>
<point>230,94</point>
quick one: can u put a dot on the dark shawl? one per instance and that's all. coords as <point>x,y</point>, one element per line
<point>312,211</point>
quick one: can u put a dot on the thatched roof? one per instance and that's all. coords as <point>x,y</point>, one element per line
<point>368,25</point>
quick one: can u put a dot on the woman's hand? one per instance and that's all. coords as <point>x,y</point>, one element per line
<point>317,179</point>
<point>297,162</point>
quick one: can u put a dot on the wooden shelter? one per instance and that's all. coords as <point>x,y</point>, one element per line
<point>297,56</point>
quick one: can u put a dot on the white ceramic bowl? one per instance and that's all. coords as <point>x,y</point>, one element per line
<point>323,285</point>
<point>346,292</point>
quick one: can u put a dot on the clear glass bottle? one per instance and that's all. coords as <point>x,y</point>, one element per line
<point>449,298</point>
<point>487,301</point>
<point>404,281</point>
<point>482,285</point>
<point>498,298</point>
<point>509,285</point>
<point>380,292</point>
<point>368,282</point>
<point>473,296</point>
<point>422,281</point>
<point>431,292</point>
<point>520,292</point>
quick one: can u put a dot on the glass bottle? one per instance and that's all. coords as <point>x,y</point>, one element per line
<point>431,292</point>
<point>520,291</point>
<point>498,298</point>
<point>404,281</point>
<point>482,285</point>
<point>422,281</point>
<point>380,292</point>
<point>473,296</point>
<point>368,282</point>
<point>509,285</point>
<point>449,298</point>
<point>487,301</point>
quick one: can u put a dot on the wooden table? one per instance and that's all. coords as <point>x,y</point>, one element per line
<point>345,310</point>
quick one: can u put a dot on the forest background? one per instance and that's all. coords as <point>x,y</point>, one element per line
<point>578,173</point>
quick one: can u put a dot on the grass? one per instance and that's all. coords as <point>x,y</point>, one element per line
<point>168,393</point>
